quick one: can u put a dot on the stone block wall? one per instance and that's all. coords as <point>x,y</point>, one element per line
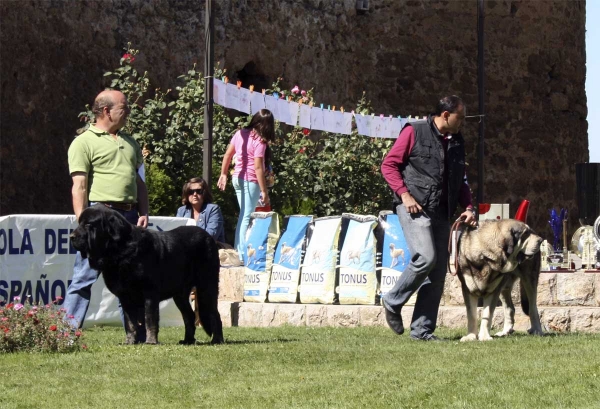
<point>404,53</point>
<point>567,302</point>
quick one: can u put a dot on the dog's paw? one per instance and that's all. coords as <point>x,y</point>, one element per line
<point>535,331</point>
<point>485,337</point>
<point>504,333</point>
<point>187,341</point>
<point>130,340</point>
<point>217,340</point>
<point>469,338</point>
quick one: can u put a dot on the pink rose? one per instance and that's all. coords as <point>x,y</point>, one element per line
<point>295,90</point>
<point>303,93</point>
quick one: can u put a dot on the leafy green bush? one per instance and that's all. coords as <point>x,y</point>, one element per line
<point>316,172</point>
<point>162,195</point>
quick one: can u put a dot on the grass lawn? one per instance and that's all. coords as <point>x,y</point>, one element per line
<point>291,367</point>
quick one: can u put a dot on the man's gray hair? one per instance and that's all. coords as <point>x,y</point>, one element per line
<point>101,102</point>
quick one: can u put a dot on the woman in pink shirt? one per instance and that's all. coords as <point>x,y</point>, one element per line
<point>248,145</point>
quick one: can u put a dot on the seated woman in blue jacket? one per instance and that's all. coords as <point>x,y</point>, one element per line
<point>197,204</point>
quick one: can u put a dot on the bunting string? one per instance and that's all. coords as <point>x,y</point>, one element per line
<point>297,113</point>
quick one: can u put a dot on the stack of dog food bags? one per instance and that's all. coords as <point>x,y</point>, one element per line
<point>395,254</point>
<point>285,274</point>
<point>261,238</point>
<point>357,274</point>
<point>317,274</point>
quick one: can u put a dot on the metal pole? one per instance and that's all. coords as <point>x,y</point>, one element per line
<point>481,89</point>
<point>209,56</point>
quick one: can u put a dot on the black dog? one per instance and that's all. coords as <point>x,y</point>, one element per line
<point>143,267</point>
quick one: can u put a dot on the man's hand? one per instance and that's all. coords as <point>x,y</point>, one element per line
<point>143,221</point>
<point>410,203</point>
<point>469,216</point>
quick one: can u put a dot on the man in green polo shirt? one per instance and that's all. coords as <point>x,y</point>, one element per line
<point>103,164</point>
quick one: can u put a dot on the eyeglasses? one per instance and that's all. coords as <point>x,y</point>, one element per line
<point>192,191</point>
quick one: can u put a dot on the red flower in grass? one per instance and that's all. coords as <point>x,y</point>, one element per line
<point>306,131</point>
<point>77,333</point>
<point>52,328</point>
<point>128,58</point>
<point>302,149</point>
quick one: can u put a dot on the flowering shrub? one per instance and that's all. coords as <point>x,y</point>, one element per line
<point>316,172</point>
<point>36,328</point>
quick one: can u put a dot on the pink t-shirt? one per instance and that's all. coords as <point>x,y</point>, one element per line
<point>247,146</point>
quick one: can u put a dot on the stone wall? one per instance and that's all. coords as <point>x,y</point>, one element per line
<point>403,53</point>
<point>567,302</point>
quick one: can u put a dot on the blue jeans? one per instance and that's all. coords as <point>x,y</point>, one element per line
<point>79,292</point>
<point>247,194</point>
<point>427,240</point>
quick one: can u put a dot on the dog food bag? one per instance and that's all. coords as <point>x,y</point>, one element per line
<point>357,274</point>
<point>317,273</point>
<point>395,254</point>
<point>285,273</point>
<point>261,238</point>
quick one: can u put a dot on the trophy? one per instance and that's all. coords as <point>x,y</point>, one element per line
<point>558,223</point>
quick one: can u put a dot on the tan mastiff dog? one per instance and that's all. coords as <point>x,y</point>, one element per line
<point>490,258</point>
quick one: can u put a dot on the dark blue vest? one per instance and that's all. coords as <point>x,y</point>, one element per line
<point>423,173</point>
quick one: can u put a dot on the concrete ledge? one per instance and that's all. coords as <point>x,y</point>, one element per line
<point>231,284</point>
<point>554,319</point>
<point>567,303</point>
<point>578,288</point>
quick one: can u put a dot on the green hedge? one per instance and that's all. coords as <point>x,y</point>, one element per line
<point>316,172</point>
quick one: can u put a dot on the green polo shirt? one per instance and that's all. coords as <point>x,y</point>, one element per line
<point>111,165</point>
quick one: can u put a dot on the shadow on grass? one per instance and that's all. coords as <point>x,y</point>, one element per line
<point>516,335</point>
<point>250,342</point>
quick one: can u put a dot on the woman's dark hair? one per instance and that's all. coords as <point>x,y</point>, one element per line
<point>268,156</point>
<point>206,195</point>
<point>450,104</point>
<point>264,125</point>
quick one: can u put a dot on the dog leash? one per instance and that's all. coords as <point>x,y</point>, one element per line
<point>453,244</point>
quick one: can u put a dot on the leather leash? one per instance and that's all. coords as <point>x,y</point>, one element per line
<point>454,229</point>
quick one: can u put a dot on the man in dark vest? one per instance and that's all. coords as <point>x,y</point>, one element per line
<point>426,171</point>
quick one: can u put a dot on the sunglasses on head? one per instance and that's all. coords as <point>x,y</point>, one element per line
<point>192,191</point>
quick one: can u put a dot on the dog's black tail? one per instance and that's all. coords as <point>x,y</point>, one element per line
<point>207,296</point>
<point>210,319</point>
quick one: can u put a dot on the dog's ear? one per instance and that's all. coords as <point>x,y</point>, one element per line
<point>117,226</point>
<point>516,233</point>
<point>90,232</point>
<point>511,238</point>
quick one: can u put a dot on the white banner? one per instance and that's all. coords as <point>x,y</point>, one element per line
<point>36,259</point>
